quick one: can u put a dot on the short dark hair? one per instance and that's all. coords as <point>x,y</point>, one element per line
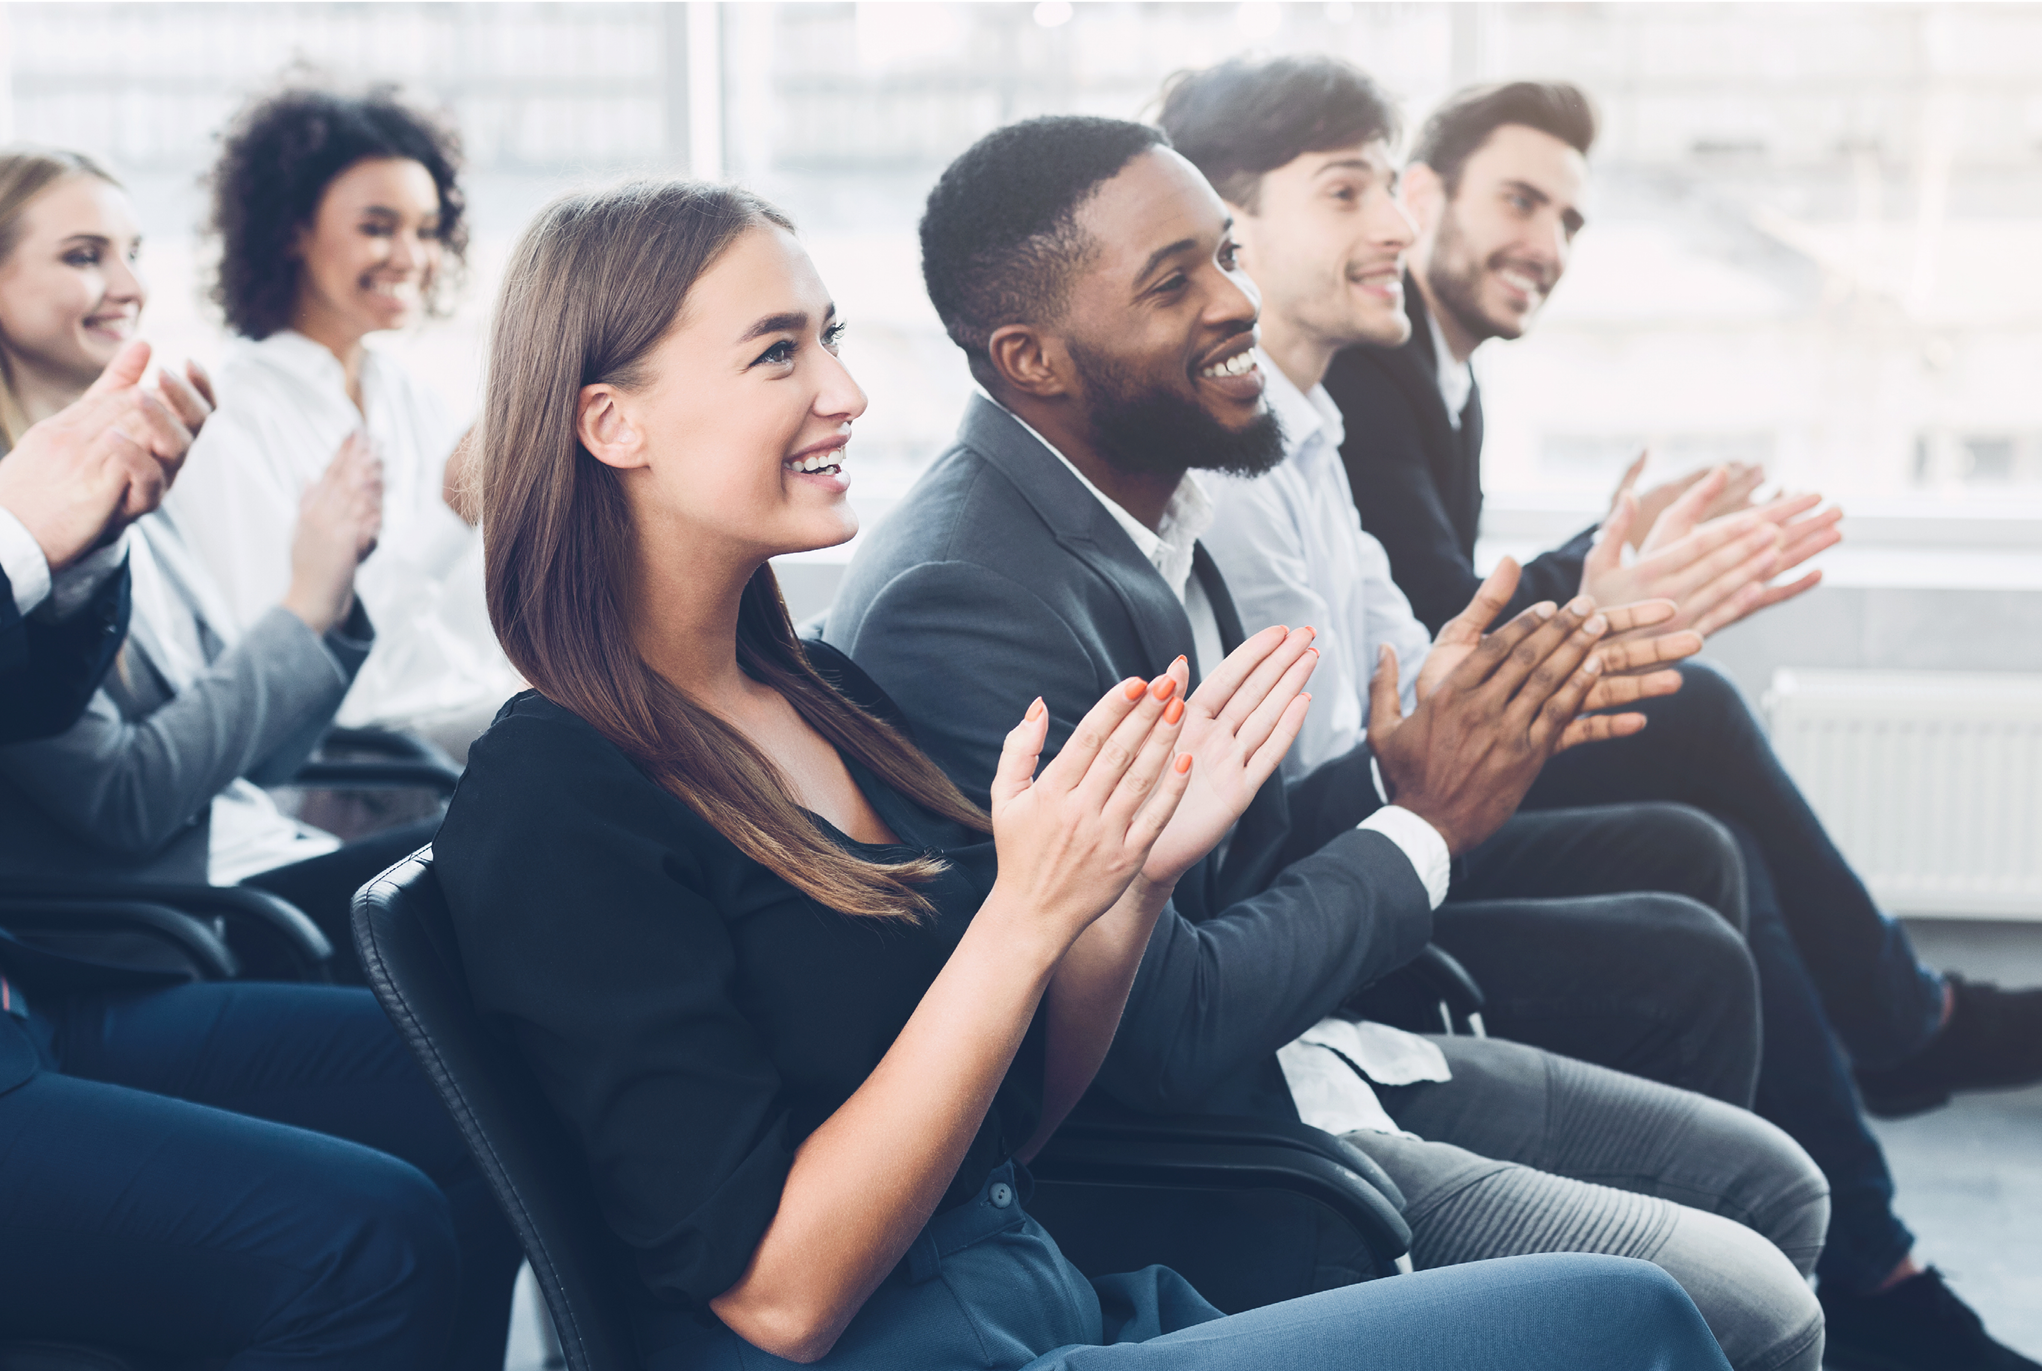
<point>999,234</point>
<point>276,160</point>
<point>1248,116</point>
<point>1459,128</point>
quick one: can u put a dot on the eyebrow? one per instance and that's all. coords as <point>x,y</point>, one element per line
<point>386,212</point>
<point>99,238</point>
<point>793,322</point>
<point>1570,217</point>
<point>1164,254</point>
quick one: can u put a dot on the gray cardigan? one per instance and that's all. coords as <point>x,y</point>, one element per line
<point>1000,577</point>
<point>128,789</point>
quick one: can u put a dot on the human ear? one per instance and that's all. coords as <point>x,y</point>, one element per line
<point>1424,194</point>
<point>606,430</point>
<point>1030,363</point>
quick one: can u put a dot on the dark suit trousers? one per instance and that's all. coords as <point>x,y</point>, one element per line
<point>250,1172</point>
<point>1614,936</point>
<point>1827,957</point>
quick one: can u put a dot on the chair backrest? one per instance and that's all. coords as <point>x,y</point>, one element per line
<point>406,939</point>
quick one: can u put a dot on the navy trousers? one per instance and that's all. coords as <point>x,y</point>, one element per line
<point>1827,957</point>
<point>254,1173</point>
<point>985,1288</point>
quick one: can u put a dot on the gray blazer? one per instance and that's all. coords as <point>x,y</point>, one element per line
<point>128,790</point>
<point>1001,578</point>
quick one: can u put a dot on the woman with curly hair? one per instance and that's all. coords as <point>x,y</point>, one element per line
<point>340,216</point>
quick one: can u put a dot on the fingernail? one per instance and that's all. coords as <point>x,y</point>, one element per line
<point>1173,711</point>
<point>1182,660</point>
<point>1592,667</point>
<point>1036,710</point>
<point>1134,688</point>
<point>1544,609</point>
<point>1596,624</point>
<point>1580,604</point>
<point>1163,687</point>
<point>1183,762</point>
<point>1313,631</point>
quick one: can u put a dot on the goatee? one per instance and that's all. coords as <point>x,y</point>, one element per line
<point>1139,427</point>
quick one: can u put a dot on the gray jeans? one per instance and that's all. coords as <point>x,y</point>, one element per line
<point>1532,1152</point>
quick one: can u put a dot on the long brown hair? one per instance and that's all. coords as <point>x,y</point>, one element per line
<point>25,173</point>
<point>591,288</point>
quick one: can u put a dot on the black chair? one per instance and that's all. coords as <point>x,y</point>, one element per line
<point>378,759</point>
<point>407,947</point>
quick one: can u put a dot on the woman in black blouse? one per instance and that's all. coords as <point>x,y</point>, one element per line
<point>802,1005</point>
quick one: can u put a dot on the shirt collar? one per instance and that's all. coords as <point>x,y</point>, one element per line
<point>1168,547</point>
<point>291,351</point>
<point>1310,420</point>
<point>1456,378</point>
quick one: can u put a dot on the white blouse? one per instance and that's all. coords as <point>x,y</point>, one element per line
<point>283,413</point>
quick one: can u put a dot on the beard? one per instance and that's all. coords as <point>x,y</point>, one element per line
<point>1455,279</point>
<point>1139,427</point>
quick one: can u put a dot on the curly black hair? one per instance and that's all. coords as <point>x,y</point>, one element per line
<point>999,234</point>
<point>276,159</point>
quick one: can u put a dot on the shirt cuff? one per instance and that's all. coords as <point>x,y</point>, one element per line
<point>21,557</point>
<point>1420,842</point>
<point>81,580</point>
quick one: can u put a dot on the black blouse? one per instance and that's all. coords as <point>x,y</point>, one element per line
<point>690,1015</point>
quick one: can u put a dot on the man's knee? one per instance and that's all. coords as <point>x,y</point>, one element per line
<point>1760,1308</point>
<point>1769,1184</point>
<point>1704,862</point>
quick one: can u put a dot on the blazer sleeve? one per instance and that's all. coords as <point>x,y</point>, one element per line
<point>1554,575</point>
<point>1393,490</point>
<point>130,785</point>
<point>963,651</point>
<point>589,937</point>
<point>49,669</point>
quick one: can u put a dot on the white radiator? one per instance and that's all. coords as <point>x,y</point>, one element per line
<point>1930,782</point>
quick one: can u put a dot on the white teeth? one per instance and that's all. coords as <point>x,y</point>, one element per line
<point>1238,364</point>
<point>818,461</point>
<point>1517,282</point>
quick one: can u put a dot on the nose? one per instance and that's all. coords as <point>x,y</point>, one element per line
<point>1394,226</point>
<point>1236,303</point>
<point>404,250</point>
<point>124,284</point>
<point>840,397</point>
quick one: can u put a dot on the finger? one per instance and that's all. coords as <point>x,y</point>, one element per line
<point>1631,475</point>
<point>1732,560</point>
<point>1737,492</point>
<point>1156,814</point>
<point>1019,754</point>
<point>1753,599</point>
<point>201,381</point>
<point>183,399</point>
<point>1668,559</point>
<point>1067,770</point>
<point>1272,669</point>
<point>1262,765</point>
<point>1548,718</point>
<point>1749,575</point>
<point>1608,553</point>
<point>1611,691</point>
<point>1543,660</point>
<point>161,431</point>
<point>145,479</point>
<point>1678,519</point>
<point>1787,507</point>
<point>1636,654</point>
<point>1639,614</point>
<point>1155,751</point>
<point>1808,537</point>
<point>1256,728</point>
<point>1385,701</point>
<point>1219,686</point>
<point>1492,597</point>
<point>1595,728</point>
<point>1122,752</point>
<point>124,370</point>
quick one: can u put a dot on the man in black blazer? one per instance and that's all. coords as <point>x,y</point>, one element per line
<point>1495,186</point>
<point>1053,551</point>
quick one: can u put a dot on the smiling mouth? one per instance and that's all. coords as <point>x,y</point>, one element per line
<point>1240,364</point>
<point>826,463</point>
<point>1526,286</point>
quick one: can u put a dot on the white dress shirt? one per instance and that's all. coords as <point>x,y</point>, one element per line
<point>1324,1066</point>
<point>284,412</point>
<point>1456,378</point>
<point>1292,549</point>
<point>28,571</point>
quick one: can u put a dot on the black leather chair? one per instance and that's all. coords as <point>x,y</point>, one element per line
<point>1123,1183</point>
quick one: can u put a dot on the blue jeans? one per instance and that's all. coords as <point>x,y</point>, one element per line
<point>985,1288</point>
<point>1828,958</point>
<point>252,1172</point>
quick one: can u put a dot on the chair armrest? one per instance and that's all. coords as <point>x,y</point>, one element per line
<point>1431,993</point>
<point>278,927</point>
<point>1448,981</point>
<point>1234,1154</point>
<point>371,774</point>
<point>198,945</point>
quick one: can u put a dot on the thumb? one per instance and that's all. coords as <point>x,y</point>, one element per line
<point>1019,754</point>
<point>1678,519</point>
<point>1608,553</point>
<point>124,370</point>
<point>1492,597</point>
<point>1631,475</point>
<point>1385,699</point>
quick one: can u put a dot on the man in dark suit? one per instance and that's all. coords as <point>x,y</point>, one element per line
<point>1495,187</point>
<point>1088,274</point>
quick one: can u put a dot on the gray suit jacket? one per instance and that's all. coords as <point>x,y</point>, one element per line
<point>1001,578</point>
<point>128,789</point>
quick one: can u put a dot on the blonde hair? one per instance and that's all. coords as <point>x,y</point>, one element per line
<point>25,173</point>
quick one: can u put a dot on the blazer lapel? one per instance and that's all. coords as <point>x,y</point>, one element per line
<point>1416,365</point>
<point>1082,526</point>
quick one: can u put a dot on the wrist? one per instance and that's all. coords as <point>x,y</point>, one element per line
<point>1024,928</point>
<point>318,612</point>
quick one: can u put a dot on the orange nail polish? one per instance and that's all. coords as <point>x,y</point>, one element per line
<point>1183,762</point>
<point>1036,710</point>
<point>1163,687</point>
<point>1133,689</point>
<point>1173,711</point>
